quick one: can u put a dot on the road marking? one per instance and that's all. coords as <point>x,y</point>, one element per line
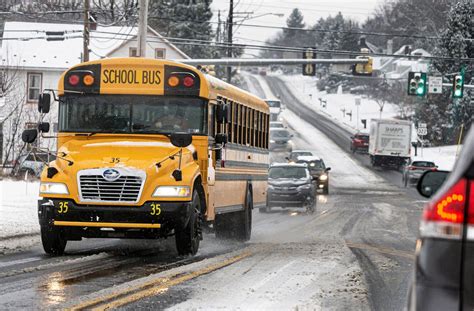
<point>19,261</point>
<point>382,250</point>
<point>152,287</point>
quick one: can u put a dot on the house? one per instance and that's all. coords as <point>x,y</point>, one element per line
<point>34,55</point>
<point>399,67</point>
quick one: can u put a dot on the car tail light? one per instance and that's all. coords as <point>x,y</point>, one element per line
<point>73,80</point>
<point>444,217</point>
<point>412,168</point>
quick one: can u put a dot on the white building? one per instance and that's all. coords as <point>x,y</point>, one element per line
<point>34,55</point>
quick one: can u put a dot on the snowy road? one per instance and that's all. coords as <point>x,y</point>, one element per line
<point>354,252</point>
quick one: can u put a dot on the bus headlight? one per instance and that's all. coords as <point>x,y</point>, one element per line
<point>323,177</point>
<point>172,192</point>
<point>53,188</point>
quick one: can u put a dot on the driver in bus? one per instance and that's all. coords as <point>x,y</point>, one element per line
<point>172,120</point>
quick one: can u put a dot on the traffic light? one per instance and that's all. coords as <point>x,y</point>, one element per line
<point>309,69</point>
<point>417,84</point>
<point>363,69</point>
<point>458,86</point>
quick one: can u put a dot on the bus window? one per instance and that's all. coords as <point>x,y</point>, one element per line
<point>132,114</point>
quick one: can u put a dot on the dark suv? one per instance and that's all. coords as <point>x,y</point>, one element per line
<point>318,171</point>
<point>290,185</point>
<point>360,142</point>
<point>444,266</point>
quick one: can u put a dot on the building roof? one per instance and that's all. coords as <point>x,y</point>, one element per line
<point>25,44</point>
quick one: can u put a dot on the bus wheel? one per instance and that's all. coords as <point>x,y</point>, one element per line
<point>187,239</point>
<point>53,240</point>
<point>245,222</point>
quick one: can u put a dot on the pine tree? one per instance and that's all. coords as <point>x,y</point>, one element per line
<point>456,42</point>
<point>184,19</point>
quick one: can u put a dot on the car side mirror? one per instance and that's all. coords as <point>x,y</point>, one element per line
<point>430,182</point>
<point>221,139</point>
<point>327,169</point>
<point>43,127</point>
<point>44,103</point>
<point>181,140</point>
<point>29,136</point>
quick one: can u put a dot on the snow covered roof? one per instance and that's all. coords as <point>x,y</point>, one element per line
<point>25,44</point>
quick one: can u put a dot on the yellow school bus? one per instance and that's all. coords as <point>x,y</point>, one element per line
<point>151,148</point>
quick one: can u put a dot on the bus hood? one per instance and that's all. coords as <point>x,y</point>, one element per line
<point>138,154</point>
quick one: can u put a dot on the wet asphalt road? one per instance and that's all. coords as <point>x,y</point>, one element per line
<point>373,228</point>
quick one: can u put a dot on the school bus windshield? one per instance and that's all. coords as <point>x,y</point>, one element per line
<point>132,114</point>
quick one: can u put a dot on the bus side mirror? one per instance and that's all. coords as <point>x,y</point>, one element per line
<point>29,136</point>
<point>181,140</point>
<point>222,114</point>
<point>430,182</point>
<point>43,127</point>
<point>44,103</point>
<point>221,139</point>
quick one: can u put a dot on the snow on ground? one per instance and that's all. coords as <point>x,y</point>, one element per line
<point>18,208</point>
<point>444,156</point>
<point>303,86</point>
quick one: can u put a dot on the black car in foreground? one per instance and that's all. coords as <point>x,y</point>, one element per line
<point>444,267</point>
<point>318,171</point>
<point>290,185</point>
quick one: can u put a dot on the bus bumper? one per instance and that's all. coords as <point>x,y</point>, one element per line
<point>151,220</point>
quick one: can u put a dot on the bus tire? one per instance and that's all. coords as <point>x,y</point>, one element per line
<point>187,238</point>
<point>53,240</point>
<point>245,231</point>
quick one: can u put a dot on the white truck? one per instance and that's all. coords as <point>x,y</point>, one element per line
<point>275,108</point>
<point>389,142</point>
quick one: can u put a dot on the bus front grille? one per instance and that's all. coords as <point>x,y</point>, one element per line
<point>94,188</point>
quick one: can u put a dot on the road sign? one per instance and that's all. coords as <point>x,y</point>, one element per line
<point>422,125</point>
<point>435,85</point>
<point>422,131</point>
<point>309,69</point>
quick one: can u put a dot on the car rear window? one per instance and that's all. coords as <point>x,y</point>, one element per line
<point>362,137</point>
<point>301,154</point>
<point>287,172</point>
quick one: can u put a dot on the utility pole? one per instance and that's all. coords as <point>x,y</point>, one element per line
<point>142,28</point>
<point>85,53</point>
<point>218,31</point>
<point>229,38</point>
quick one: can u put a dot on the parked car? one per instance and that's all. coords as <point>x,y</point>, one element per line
<point>413,171</point>
<point>360,142</point>
<point>318,171</point>
<point>290,185</point>
<point>32,163</point>
<point>280,140</point>
<point>297,153</point>
<point>444,269</point>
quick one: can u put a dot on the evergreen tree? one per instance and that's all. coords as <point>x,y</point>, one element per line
<point>184,19</point>
<point>455,42</point>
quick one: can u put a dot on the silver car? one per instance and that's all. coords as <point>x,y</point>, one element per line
<point>413,171</point>
<point>32,163</point>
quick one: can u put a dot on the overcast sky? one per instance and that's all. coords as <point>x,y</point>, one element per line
<point>312,11</point>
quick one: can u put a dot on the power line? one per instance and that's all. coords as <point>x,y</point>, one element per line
<point>360,33</point>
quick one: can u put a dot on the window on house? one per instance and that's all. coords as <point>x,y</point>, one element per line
<point>34,86</point>
<point>132,52</point>
<point>160,53</point>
